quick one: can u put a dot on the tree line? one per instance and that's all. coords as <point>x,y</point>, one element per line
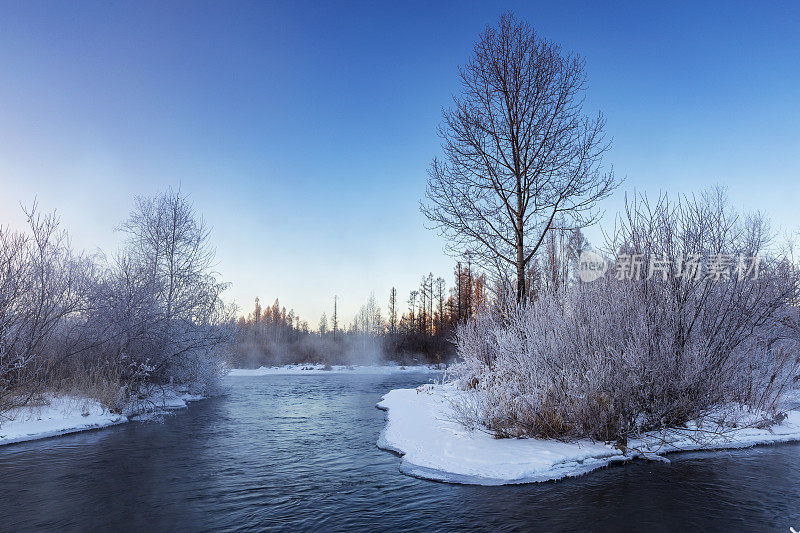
<point>419,330</point>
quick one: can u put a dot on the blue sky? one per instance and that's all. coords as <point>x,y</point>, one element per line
<point>303,131</point>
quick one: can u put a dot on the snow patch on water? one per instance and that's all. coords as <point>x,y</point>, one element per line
<point>421,427</point>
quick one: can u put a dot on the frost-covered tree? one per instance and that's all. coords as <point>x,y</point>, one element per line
<point>169,257</point>
<point>42,285</point>
<point>113,326</point>
<point>368,320</point>
<point>323,324</point>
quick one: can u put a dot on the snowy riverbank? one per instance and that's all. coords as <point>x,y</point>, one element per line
<point>336,369</point>
<point>421,428</point>
<point>63,415</point>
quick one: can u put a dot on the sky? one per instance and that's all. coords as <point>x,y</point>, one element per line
<point>303,131</point>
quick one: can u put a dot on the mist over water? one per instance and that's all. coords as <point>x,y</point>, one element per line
<point>345,349</point>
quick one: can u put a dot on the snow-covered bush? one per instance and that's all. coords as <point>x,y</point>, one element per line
<point>110,328</point>
<point>42,284</point>
<point>613,358</point>
<point>159,306</point>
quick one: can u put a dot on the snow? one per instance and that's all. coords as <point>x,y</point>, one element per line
<point>170,399</point>
<point>336,369</point>
<point>61,415</point>
<point>421,428</point>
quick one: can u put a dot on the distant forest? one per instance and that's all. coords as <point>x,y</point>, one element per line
<point>419,331</point>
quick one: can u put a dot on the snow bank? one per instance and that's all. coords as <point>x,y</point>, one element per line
<point>170,399</point>
<point>421,428</point>
<point>337,369</point>
<point>62,415</point>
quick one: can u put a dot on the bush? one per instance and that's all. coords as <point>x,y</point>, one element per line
<point>614,358</point>
<point>111,328</point>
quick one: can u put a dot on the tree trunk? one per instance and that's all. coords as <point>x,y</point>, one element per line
<point>520,244</point>
<point>520,270</point>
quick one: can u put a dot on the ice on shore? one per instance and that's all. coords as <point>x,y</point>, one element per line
<point>336,369</point>
<point>420,426</point>
<point>61,415</point>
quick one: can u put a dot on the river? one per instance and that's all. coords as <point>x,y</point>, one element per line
<point>298,453</point>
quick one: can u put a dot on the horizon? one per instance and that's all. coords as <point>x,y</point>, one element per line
<point>243,110</point>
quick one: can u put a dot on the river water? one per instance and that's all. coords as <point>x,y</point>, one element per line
<point>298,453</point>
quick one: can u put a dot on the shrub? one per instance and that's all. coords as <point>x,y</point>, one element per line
<point>614,358</point>
<point>111,328</point>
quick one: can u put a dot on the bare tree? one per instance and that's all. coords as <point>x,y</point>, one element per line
<point>412,306</point>
<point>440,290</point>
<point>458,289</point>
<point>519,153</point>
<point>368,321</point>
<point>423,305</point>
<point>257,311</point>
<point>393,311</point>
<point>429,288</point>
<point>335,316</point>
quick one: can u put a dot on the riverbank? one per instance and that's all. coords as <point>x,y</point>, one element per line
<point>334,369</point>
<point>61,415</point>
<point>421,426</point>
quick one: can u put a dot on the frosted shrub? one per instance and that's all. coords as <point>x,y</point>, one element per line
<point>41,284</point>
<point>149,316</point>
<point>600,363</point>
<point>614,358</point>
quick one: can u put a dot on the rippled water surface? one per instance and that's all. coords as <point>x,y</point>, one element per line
<point>298,453</point>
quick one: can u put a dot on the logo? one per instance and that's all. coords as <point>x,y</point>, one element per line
<point>591,266</point>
